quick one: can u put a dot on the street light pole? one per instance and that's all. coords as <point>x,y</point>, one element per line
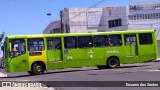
<point>61,15</point>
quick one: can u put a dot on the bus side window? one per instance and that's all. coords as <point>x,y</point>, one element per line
<point>85,41</point>
<point>145,38</point>
<point>54,43</point>
<point>70,42</point>
<point>100,41</point>
<point>36,44</point>
<point>115,40</point>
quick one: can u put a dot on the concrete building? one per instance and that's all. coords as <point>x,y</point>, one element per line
<point>53,27</point>
<point>77,20</point>
<point>141,15</point>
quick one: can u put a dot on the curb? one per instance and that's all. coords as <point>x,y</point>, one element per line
<point>157,60</point>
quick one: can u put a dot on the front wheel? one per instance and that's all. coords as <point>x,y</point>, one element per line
<point>113,62</point>
<point>37,69</point>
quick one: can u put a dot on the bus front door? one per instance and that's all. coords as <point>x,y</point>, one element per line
<point>131,48</point>
<point>54,53</point>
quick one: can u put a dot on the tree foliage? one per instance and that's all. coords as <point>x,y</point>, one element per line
<point>1,36</point>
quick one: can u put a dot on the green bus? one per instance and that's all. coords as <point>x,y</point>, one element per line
<point>37,53</point>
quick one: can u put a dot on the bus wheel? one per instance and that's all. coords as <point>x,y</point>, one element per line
<point>113,62</point>
<point>37,68</point>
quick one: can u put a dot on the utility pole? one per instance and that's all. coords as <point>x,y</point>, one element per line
<point>61,15</point>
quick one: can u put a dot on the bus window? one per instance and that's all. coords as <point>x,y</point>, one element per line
<point>145,38</point>
<point>35,44</point>
<point>100,41</point>
<point>85,41</point>
<point>130,39</point>
<point>18,47</point>
<point>70,42</point>
<point>115,40</point>
<point>54,43</point>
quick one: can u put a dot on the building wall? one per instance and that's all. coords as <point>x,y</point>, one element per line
<point>112,14</point>
<point>52,28</point>
<point>80,19</point>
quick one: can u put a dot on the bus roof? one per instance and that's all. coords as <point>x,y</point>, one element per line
<point>78,34</point>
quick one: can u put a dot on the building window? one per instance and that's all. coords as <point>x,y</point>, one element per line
<point>144,16</point>
<point>54,43</point>
<point>85,41</point>
<point>145,38</point>
<point>70,42</point>
<point>35,44</point>
<point>115,23</point>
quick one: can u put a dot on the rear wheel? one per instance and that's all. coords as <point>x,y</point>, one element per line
<point>37,68</point>
<point>113,62</point>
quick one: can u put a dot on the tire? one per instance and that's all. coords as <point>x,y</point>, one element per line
<point>113,62</point>
<point>37,69</point>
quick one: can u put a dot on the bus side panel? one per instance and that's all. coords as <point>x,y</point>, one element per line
<point>117,51</point>
<point>147,51</point>
<point>35,58</point>
<point>96,56</point>
<point>54,59</point>
<point>74,57</point>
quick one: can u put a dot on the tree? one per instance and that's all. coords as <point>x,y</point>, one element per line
<point>1,36</point>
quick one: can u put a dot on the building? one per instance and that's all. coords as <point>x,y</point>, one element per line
<point>140,15</point>
<point>144,15</point>
<point>53,27</point>
<point>77,20</point>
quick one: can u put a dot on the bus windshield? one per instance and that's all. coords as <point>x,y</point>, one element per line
<point>17,47</point>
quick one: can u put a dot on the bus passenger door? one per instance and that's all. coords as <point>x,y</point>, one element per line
<point>131,48</point>
<point>54,53</point>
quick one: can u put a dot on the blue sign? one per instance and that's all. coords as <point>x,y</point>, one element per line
<point>65,51</point>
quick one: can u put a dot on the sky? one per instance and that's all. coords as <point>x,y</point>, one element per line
<point>19,17</point>
<point>29,16</point>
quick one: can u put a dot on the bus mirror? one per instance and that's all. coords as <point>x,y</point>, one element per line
<point>2,48</point>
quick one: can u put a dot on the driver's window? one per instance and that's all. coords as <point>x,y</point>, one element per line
<point>18,47</point>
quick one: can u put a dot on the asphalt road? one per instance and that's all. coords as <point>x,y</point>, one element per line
<point>128,72</point>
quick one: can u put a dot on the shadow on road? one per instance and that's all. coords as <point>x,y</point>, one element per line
<point>52,72</point>
<point>133,66</point>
